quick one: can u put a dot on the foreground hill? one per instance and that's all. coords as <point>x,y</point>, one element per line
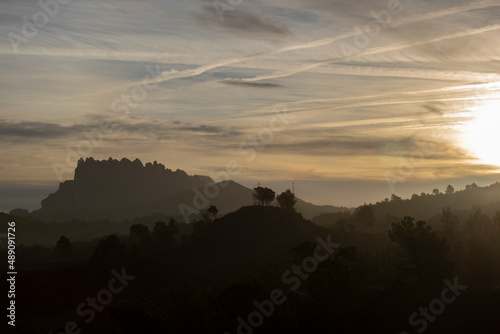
<point>245,240</point>
<point>213,277</point>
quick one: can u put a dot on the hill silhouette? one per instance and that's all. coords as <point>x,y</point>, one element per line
<point>112,184</point>
<point>425,206</point>
<point>123,190</point>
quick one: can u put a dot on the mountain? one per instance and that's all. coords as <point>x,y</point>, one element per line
<point>125,189</point>
<point>110,185</point>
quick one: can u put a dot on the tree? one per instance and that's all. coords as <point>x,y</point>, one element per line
<point>210,214</point>
<point>108,251</point>
<point>496,218</point>
<point>423,250</point>
<point>450,221</point>
<point>450,227</point>
<point>471,186</point>
<point>287,200</point>
<point>63,247</point>
<point>395,198</point>
<point>213,211</point>
<point>159,230</point>
<point>481,250</point>
<point>435,192</point>
<point>263,196</point>
<point>199,228</point>
<point>140,234</point>
<point>341,225</point>
<point>365,215</point>
<point>450,190</point>
<point>335,282</point>
<point>479,226</point>
<point>164,235</point>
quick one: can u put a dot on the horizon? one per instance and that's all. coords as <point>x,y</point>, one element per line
<point>308,191</point>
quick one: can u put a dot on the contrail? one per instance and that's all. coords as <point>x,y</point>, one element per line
<point>322,42</point>
<point>455,89</point>
<point>372,51</point>
<point>410,73</point>
<point>173,74</point>
<point>493,86</point>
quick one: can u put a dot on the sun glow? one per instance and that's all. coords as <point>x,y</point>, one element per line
<point>482,132</point>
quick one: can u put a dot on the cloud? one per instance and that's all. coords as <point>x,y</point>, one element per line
<point>436,108</point>
<point>242,23</point>
<point>372,51</point>
<point>32,130</point>
<point>252,84</point>
<point>157,129</point>
<point>348,145</point>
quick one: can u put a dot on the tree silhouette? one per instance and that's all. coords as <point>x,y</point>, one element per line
<point>263,196</point>
<point>365,215</point>
<point>450,190</point>
<point>435,192</point>
<point>164,235</point>
<point>395,198</point>
<point>210,214</point>
<point>140,233</point>
<point>451,229</point>
<point>423,250</point>
<point>471,186</point>
<point>199,227</point>
<point>496,218</point>
<point>213,211</point>
<point>63,247</point>
<point>481,254</point>
<point>108,250</point>
<point>287,200</point>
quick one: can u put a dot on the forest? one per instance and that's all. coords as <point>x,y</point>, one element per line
<point>264,268</point>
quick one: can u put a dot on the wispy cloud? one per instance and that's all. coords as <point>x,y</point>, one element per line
<point>242,22</point>
<point>251,84</point>
<point>220,82</point>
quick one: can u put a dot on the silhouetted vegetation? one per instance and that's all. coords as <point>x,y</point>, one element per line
<point>263,195</point>
<point>208,276</point>
<point>63,247</point>
<point>286,200</point>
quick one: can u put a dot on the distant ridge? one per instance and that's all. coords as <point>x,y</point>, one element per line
<point>428,207</point>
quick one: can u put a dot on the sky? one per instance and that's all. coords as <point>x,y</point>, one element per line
<point>350,100</point>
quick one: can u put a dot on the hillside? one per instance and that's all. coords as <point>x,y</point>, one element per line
<point>224,265</point>
<point>245,240</point>
<point>427,206</point>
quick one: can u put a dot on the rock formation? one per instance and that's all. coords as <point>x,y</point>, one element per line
<point>110,185</point>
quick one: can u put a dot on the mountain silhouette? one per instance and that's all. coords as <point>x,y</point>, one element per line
<point>124,189</point>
